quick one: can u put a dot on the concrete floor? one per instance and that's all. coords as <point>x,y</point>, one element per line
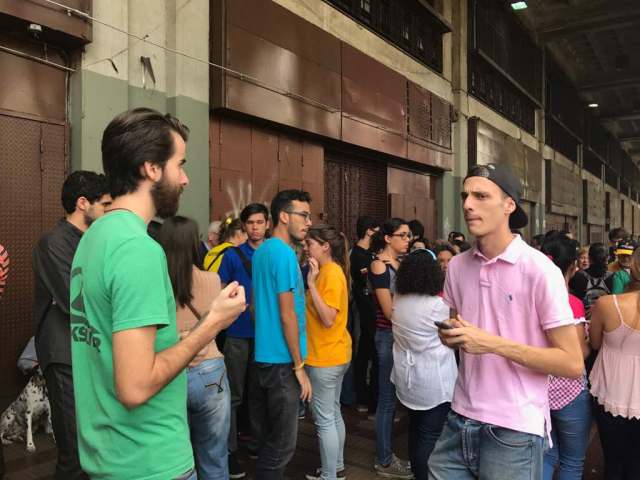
<point>359,452</point>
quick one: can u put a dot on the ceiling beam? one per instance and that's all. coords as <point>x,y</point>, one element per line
<point>578,21</point>
<point>618,117</point>
<point>630,138</point>
<point>609,81</point>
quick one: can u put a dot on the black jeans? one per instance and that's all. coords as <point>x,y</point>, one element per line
<point>425,427</point>
<point>241,371</point>
<point>366,392</point>
<point>59,381</point>
<point>277,399</point>
<point>620,438</point>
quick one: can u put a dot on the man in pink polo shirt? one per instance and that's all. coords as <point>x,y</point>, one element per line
<point>512,323</point>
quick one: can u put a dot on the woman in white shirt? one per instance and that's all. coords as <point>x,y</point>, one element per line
<point>424,370</point>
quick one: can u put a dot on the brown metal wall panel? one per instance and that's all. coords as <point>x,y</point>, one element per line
<point>290,159</point>
<point>246,97</point>
<point>441,122</point>
<point>353,187</point>
<point>264,165</point>
<point>281,27</point>
<point>425,154</point>
<point>412,195</point>
<point>372,92</point>
<point>68,29</point>
<point>32,88</point>
<point>281,68</point>
<point>419,112</point>
<point>20,228</point>
<point>270,162</point>
<point>55,165</point>
<point>235,146</point>
<point>369,136</point>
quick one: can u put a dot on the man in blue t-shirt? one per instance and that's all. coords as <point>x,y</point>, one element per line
<point>280,342</point>
<point>239,346</point>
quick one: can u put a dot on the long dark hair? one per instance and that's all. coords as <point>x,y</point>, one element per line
<point>388,227</point>
<point>337,242</point>
<point>562,250</point>
<point>598,256</point>
<point>179,238</point>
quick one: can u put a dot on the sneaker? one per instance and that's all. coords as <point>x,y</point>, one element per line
<point>396,469</point>
<point>362,408</point>
<point>253,454</point>
<point>235,470</point>
<point>316,474</point>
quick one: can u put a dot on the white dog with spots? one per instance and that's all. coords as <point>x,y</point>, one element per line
<point>30,409</point>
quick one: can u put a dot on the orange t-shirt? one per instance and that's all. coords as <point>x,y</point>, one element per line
<point>329,347</point>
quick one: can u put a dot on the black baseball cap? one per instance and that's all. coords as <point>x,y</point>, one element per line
<point>502,176</point>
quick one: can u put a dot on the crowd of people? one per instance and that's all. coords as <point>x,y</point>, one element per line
<point>157,346</point>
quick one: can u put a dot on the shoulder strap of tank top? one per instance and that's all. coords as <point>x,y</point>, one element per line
<point>615,302</point>
<point>195,312</point>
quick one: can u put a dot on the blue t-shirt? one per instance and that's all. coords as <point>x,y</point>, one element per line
<point>232,268</point>
<point>275,271</point>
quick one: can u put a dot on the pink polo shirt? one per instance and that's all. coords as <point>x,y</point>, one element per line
<point>517,295</point>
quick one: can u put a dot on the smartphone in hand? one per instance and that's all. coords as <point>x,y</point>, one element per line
<point>443,325</point>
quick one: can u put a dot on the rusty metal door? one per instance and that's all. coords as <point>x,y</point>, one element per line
<point>353,187</point>
<point>33,165</point>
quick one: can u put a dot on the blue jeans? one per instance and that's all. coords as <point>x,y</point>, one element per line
<point>386,397</point>
<point>209,410</point>
<point>469,450</point>
<point>326,383</point>
<point>570,436</point>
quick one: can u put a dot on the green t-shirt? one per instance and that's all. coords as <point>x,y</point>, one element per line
<point>119,281</point>
<point>620,280</point>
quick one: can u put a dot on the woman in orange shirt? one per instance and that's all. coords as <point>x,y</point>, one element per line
<point>328,342</point>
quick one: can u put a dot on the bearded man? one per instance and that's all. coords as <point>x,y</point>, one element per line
<point>128,361</point>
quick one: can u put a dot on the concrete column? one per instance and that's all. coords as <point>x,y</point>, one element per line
<point>111,79</point>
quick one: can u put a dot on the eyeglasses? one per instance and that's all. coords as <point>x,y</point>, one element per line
<point>305,215</point>
<point>403,235</point>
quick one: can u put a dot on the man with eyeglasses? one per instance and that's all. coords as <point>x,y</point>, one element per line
<point>280,333</point>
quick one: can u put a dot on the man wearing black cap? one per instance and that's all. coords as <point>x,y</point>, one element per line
<point>511,320</point>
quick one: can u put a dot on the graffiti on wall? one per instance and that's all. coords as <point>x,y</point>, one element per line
<point>243,193</point>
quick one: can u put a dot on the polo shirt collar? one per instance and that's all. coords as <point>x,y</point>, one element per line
<point>510,255</point>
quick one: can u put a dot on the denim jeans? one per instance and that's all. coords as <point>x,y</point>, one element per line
<point>238,358</point>
<point>386,409</point>
<point>570,436</point>
<point>208,407</point>
<point>468,449</point>
<point>326,383</point>
<point>191,475</point>
<point>425,427</point>
<point>277,400</point>
<point>366,391</point>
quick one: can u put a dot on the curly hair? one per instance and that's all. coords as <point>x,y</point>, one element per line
<point>419,273</point>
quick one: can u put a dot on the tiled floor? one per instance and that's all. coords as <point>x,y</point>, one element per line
<point>359,453</point>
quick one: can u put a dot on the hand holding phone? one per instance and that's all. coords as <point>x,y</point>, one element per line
<point>443,325</point>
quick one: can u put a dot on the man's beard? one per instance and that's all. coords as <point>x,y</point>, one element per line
<point>88,218</point>
<point>166,198</point>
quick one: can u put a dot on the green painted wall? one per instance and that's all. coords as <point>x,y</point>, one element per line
<point>96,99</point>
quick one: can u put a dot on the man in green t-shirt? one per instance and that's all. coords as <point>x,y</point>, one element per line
<point>128,362</point>
<point>622,266</point>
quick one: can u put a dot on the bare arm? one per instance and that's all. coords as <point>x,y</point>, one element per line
<point>584,344</point>
<point>290,326</point>
<point>383,295</point>
<point>326,313</point>
<point>140,372</point>
<point>292,337</point>
<point>562,359</point>
<point>597,323</point>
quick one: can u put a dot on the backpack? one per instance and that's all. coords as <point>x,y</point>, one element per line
<point>596,287</point>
